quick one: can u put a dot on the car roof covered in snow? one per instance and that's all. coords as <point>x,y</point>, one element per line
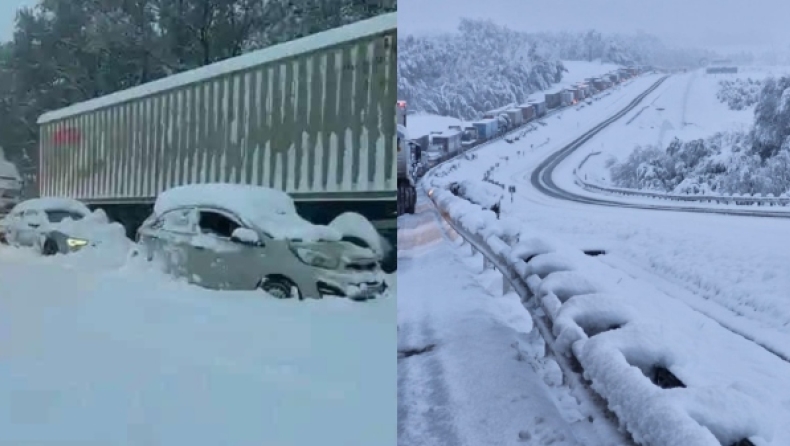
<point>53,203</point>
<point>270,210</point>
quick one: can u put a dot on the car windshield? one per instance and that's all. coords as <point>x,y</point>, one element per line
<point>56,216</point>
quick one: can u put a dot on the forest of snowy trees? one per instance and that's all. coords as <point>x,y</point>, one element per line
<point>67,51</point>
<point>743,162</point>
<point>485,66</point>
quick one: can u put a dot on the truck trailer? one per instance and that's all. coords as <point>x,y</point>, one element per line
<point>312,117</point>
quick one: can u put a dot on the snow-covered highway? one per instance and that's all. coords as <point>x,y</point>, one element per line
<point>720,272</point>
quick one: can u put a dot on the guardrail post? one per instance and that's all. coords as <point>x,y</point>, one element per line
<point>506,287</point>
<point>486,263</point>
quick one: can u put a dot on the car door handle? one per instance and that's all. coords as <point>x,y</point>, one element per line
<point>201,248</point>
<point>33,225</point>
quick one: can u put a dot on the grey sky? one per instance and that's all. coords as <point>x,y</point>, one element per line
<point>8,9</point>
<point>716,24</point>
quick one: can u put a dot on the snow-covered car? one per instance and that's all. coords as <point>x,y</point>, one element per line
<point>230,236</point>
<point>481,193</point>
<point>53,225</point>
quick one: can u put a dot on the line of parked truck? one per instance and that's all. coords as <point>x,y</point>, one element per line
<point>426,151</point>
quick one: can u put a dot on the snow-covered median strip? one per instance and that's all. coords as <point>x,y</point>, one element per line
<point>671,375</point>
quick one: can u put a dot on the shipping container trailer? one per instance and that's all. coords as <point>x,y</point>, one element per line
<point>566,98</point>
<point>516,117</point>
<point>527,112</point>
<point>486,128</point>
<point>553,100</point>
<point>599,84</point>
<point>493,114</point>
<point>540,108</point>
<point>589,91</point>
<point>312,117</point>
<point>578,94</point>
<point>471,132</point>
<point>447,142</point>
<point>423,141</point>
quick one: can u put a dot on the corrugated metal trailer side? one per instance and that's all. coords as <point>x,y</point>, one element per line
<point>527,111</point>
<point>516,116</point>
<point>312,117</point>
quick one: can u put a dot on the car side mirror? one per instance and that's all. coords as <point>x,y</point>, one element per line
<point>246,236</point>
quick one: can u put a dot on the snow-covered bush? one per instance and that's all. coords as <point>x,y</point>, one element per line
<point>733,162</point>
<point>485,66</point>
<point>482,67</point>
<point>739,94</point>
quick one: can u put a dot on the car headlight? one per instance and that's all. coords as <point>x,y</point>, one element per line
<point>315,258</point>
<point>76,242</point>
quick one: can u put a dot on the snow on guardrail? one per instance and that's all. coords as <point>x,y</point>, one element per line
<point>638,366</point>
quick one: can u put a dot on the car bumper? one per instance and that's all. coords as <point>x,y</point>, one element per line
<point>357,286</point>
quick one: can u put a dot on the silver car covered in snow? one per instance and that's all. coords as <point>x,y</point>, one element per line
<point>50,225</point>
<point>229,236</point>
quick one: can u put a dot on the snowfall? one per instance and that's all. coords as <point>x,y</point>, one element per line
<point>703,295</point>
<point>97,348</point>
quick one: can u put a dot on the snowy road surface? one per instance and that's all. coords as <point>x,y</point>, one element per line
<point>733,268</point>
<point>471,370</point>
<point>126,356</point>
<point>727,273</point>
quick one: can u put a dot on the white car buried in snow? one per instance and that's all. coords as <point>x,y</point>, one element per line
<point>230,236</point>
<point>54,225</point>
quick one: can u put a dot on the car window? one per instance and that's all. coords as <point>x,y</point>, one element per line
<point>31,216</point>
<point>179,220</point>
<point>217,223</point>
<point>56,216</point>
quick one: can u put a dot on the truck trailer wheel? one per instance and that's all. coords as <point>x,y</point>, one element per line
<point>411,202</point>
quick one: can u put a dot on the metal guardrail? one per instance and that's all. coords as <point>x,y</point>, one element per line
<point>512,281</point>
<point>741,200</point>
<point>543,320</point>
<point>736,199</point>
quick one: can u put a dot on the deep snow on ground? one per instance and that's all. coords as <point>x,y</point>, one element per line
<point>732,269</point>
<point>725,273</point>
<point>735,388</point>
<point>124,355</point>
<point>486,381</point>
<point>420,124</point>
<point>685,106</point>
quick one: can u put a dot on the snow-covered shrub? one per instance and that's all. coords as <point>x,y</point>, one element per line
<point>739,94</point>
<point>733,162</point>
<point>481,67</point>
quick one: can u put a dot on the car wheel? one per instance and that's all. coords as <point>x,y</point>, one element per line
<point>50,247</point>
<point>281,287</point>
